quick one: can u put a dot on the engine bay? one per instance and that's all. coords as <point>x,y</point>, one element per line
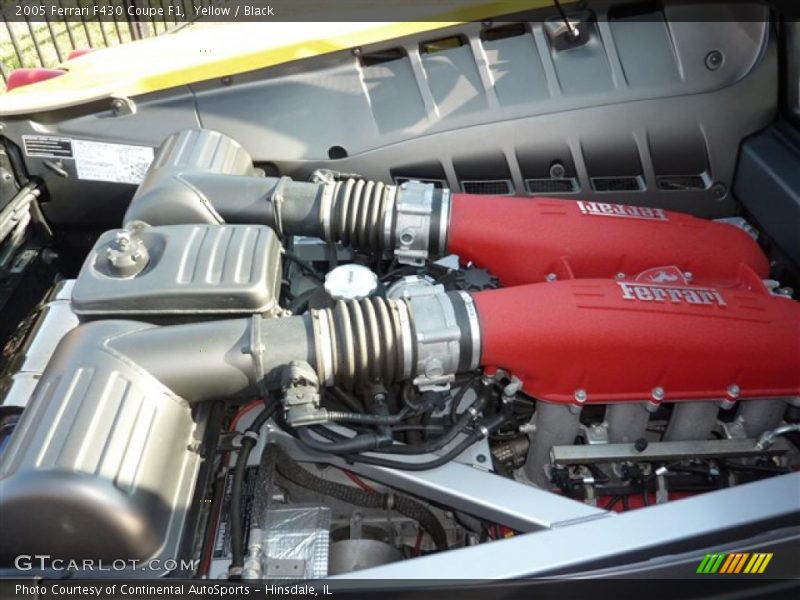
<point>283,379</point>
<point>487,300</point>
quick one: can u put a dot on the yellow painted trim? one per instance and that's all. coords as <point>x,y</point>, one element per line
<point>202,53</point>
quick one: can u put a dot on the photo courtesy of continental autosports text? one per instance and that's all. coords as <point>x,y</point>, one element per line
<point>495,299</point>
<point>177,590</point>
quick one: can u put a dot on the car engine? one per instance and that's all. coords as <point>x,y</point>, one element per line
<point>284,379</point>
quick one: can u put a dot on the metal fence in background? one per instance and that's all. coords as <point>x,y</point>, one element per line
<point>44,42</point>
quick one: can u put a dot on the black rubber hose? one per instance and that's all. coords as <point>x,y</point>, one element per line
<point>300,303</point>
<point>336,416</point>
<point>405,505</point>
<point>473,437</point>
<point>350,401</point>
<point>237,520</point>
<point>407,449</point>
<point>458,397</point>
<point>363,442</point>
<point>441,441</point>
<point>311,271</point>
<point>432,428</point>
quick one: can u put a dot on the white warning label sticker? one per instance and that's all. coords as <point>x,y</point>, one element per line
<point>118,163</point>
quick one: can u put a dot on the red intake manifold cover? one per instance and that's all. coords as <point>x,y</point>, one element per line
<point>522,240</point>
<point>619,340</point>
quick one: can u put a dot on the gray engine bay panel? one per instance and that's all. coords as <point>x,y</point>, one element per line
<point>503,108</point>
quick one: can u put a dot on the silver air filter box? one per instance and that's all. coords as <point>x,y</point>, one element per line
<point>179,270</point>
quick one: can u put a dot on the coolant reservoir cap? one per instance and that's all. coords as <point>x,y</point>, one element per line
<point>350,282</point>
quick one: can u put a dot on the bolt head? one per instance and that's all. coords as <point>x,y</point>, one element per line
<point>714,60</point>
<point>652,406</point>
<point>734,391</point>
<point>551,277</point>
<point>719,191</point>
<point>580,396</point>
<point>123,239</point>
<point>557,170</point>
<point>434,368</point>
<point>658,393</point>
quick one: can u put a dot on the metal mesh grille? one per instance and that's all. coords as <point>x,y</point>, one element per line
<point>617,184</point>
<point>681,182</point>
<point>567,185</point>
<point>489,187</point>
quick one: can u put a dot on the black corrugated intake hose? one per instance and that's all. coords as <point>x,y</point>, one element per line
<point>367,342</point>
<point>358,212</point>
<point>405,505</point>
<point>237,521</point>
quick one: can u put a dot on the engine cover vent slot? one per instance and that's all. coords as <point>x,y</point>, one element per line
<point>488,187</point>
<point>617,184</point>
<point>381,56</point>
<point>441,44</point>
<point>502,32</point>
<point>564,185</point>
<point>681,183</point>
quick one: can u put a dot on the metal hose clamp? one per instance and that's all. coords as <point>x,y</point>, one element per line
<point>256,351</point>
<point>438,338</point>
<point>413,218</point>
<point>326,205</point>
<point>277,202</point>
<point>325,358</point>
<point>474,329</point>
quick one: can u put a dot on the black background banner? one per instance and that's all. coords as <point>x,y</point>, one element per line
<point>182,11</point>
<point>199,589</point>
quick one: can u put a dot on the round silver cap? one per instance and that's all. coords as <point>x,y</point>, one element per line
<point>350,282</point>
